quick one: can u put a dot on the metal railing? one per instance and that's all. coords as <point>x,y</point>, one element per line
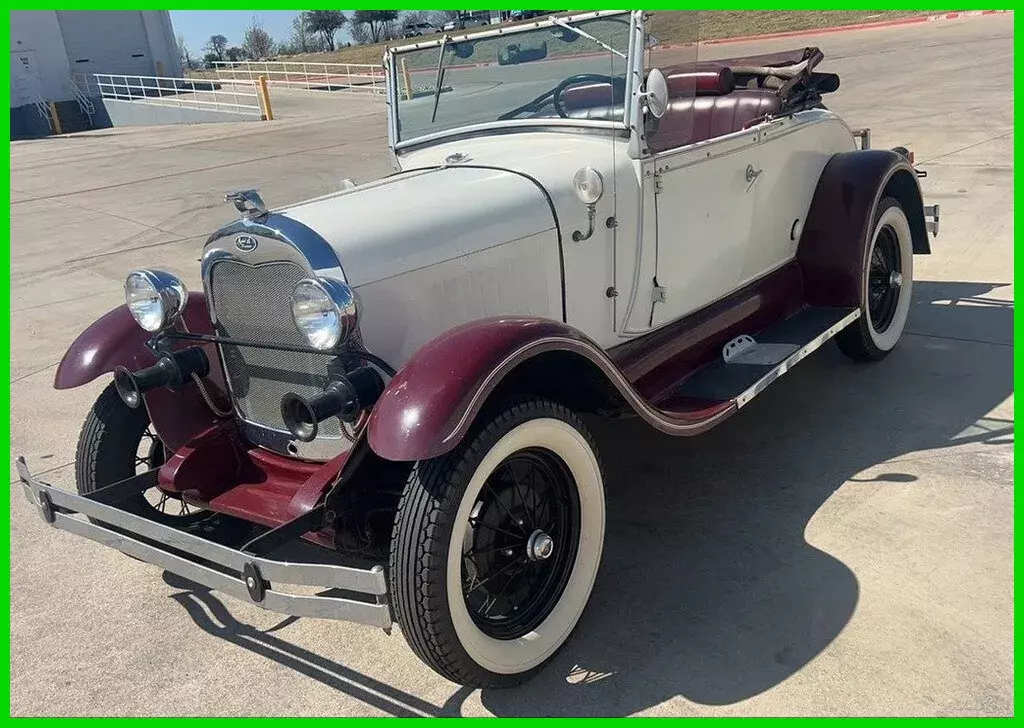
<point>84,102</point>
<point>191,93</point>
<point>346,77</point>
<point>43,109</point>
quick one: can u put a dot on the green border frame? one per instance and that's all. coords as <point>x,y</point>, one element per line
<point>5,243</point>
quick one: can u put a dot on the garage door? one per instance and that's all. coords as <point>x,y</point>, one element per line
<point>106,42</point>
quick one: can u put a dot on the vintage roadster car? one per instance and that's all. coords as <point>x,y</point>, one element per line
<point>380,392</point>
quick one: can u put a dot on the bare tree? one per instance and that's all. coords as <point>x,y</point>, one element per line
<point>300,37</point>
<point>183,52</point>
<point>257,42</point>
<point>216,45</point>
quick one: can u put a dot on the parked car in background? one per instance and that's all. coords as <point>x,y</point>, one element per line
<point>465,22</point>
<point>416,29</point>
<point>397,373</point>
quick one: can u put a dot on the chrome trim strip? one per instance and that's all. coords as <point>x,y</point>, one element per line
<point>53,502</point>
<point>319,254</point>
<point>796,357</point>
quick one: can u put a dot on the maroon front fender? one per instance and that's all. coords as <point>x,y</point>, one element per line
<point>430,403</point>
<point>115,339</point>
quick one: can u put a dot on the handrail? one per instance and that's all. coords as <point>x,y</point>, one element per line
<point>344,77</point>
<point>43,110</point>
<point>201,94</point>
<point>83,101</point>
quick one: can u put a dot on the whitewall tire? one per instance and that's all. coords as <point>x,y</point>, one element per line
<point>497,545</point>
<point>887,287</point>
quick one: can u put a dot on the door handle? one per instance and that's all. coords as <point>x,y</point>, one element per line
<point>753,174</point>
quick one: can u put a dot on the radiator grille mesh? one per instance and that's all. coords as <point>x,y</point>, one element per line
<point>254,302</point>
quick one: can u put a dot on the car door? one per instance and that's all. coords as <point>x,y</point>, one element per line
<point>704,202</point>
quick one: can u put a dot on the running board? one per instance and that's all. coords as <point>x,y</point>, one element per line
<point>749,364</point>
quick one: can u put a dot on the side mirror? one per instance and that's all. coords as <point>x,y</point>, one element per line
<point>655,94</point>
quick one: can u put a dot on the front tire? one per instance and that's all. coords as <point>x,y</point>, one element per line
<point>496,546</point>
<point>887,286</point>
<point>118,442</point>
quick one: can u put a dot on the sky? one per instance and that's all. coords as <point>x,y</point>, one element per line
<point>198,25</point>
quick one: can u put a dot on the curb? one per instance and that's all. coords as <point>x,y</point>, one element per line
<point>839,28</point>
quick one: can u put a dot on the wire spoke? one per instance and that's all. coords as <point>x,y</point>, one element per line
<point>487,525</point>
<point>483,552</point>
<point>501,503</point>
<point>499,572</point>
<point>519,492</point>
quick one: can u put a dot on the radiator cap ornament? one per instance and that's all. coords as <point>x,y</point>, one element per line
<point>248,202</point>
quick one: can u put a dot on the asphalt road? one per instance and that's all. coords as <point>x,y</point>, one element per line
<point>843,546</point>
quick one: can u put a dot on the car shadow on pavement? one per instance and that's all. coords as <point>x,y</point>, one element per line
<point>213,617</point>
<point>708,588</point>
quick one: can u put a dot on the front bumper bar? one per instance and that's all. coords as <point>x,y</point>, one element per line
<point>231,571</point>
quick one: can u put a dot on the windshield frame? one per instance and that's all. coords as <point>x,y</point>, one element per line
<point>391,67</point>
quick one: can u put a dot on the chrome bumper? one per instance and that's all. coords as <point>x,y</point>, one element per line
<point>231,571</point>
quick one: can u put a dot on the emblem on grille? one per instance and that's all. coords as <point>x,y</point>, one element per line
<point>246,243</point>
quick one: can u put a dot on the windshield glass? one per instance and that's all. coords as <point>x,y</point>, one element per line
<point>576,72</point>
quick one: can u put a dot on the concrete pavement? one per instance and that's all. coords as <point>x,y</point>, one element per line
<point>843,546</point>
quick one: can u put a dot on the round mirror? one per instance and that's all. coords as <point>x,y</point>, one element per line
<point>656,93</point>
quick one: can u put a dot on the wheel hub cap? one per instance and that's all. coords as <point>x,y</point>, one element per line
<point>896,279</point>
<point>539,546</point>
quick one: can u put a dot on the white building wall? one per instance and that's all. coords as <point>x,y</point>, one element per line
<point>37,34</point>
<point>162,44</point>
<point>38,50</point>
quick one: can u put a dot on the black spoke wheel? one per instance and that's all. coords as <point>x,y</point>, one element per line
<point>885,277</point>
<point>520,543</point>
<point>497,543</point>
<point>118,442</point>
<point>888,278</point>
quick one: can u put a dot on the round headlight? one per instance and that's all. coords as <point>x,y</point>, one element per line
<point>324,311</point>
<point>154,298</point>
<point>588,185</point>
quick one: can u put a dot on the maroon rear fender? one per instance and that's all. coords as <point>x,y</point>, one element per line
<point>834,243</point>
<point>115,339</point>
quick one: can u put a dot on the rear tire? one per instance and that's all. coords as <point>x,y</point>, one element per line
<point>887,286</point>
<point>492,562</point>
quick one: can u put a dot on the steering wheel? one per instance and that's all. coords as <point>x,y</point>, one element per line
<point>555,94</point>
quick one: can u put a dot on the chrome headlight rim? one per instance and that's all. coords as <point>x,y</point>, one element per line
<point>331,300</point>
<point>165,300</point>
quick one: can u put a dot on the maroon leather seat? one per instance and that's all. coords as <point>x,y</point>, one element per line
<point>704,104</point>
<point>698,118</point>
